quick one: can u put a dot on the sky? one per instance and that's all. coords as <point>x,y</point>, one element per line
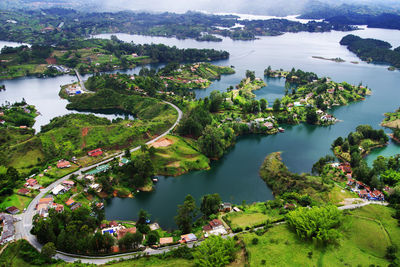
<point>261,7</point>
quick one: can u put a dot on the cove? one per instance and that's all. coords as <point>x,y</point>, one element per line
<point>235,177</point>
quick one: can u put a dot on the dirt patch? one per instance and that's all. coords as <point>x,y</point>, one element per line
<point>174,164</point>
<point>85,131</point>
<point>163,142</point>
<point>392,124</point>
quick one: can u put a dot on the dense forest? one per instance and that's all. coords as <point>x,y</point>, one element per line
<point>372,50</point>
<point>60,26</point>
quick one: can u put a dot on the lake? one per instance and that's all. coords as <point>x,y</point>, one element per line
<point>235,177</point>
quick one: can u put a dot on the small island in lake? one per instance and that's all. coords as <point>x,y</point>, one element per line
<point>337,59</point>
<point>373,50</point>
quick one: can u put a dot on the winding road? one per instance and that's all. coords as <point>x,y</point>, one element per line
<point>24,225</point>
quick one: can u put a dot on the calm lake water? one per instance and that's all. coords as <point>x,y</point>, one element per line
<point>235,177</point>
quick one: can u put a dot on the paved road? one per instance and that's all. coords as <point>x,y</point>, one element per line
<point>24,226</point>
<point>364,203</point>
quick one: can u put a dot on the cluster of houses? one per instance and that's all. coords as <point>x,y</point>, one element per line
<point>363,190</point>
<point>214,227</point>
<point>47,203</point>
<point>59,68</point>
<point>92,184</point>
<point>63,187</point>
<point>8,229</point>
<point>182,80</point>
<point>73,89</point>
<point>72,204</point>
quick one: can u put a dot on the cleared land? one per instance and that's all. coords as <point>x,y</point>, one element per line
<point>366,234</point>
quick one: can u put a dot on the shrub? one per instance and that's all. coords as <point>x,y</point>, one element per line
<point>254,241</point>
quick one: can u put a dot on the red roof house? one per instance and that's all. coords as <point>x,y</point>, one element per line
<point>31,182</point>
<point>95,153</point>
<point>23,191</point>
<point>61,164</point>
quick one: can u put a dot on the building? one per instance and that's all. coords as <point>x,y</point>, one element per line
<point>89,178</point>
<point>12,210</point>
<point>214,227</point>
<point>31,182</point>
<point>7,234</point>
<point>188,238</point>
<point>68,183</point>
<point>166,240</point>
<point>70,202</point>
<point>122,232</point>
<point>95,187</point>
<point>58,207</point>
<point>225,207</point>
<point>59,189</point>
<point>95,153</point>
<point>23,191</point>
<point>76,206</point>
<point>269,125</point>
<point>43,210</point>
<point>62,164</point>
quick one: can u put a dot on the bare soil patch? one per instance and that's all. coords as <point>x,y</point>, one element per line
<point>163,142</point>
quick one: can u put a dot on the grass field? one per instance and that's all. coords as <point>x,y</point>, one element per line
<point>337,195</point>
<point>366,234</point>
<point>16,200</point>
<point>178,157</point>
<point>252,215</point>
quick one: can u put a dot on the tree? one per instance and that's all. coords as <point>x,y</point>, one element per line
<point>215,251</point>
<point>152,238</point>
<point>186,214</point>
<point>263,104</point>
<point>317,223</point>
<point>212,142</point>
<point>319,165</point>
<point>210,204</point>
<point>48,250</point>
<point>250,74</point>
<point>127,153</point>
<point>277,105</point>
<point>311,116</point>
<point>215,100</point>
<point>143,216</point>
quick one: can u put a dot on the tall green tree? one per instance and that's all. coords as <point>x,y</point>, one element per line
<point>186,214</point>
<point>263,104</point>
<point>210,204</point>
<point>212,142</point>
<point>277,105</point>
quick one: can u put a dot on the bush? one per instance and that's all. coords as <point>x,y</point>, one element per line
<point>254,241</point>
<point>317,223</point>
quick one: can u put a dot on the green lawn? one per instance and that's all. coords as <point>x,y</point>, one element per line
<point>252,215</point>
<point>154,262</point>
<point>16,200</point>
<point>281,247</point>
<point>178,158</point>
<point>366,233</point>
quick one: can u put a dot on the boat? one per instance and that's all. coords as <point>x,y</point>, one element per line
<point>281,130</point>
<point>155,180</point>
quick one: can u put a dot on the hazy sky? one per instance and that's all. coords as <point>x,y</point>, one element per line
<point>238,6</point>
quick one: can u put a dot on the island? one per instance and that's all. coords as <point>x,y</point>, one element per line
<point>373,50</point>
<point>93,55</point>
